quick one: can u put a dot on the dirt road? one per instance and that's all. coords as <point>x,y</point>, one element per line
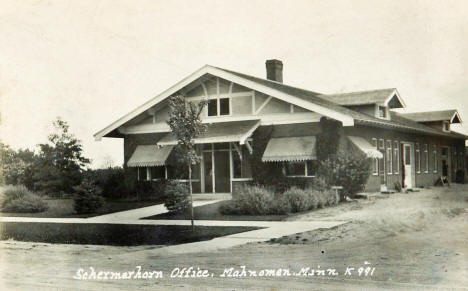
<point>414,241</point>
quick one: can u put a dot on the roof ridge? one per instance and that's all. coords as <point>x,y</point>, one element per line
<point>360,92</point>
<point>268,80</point>
<point>429,111</point>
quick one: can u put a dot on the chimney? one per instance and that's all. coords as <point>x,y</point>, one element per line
<point>274,70</point>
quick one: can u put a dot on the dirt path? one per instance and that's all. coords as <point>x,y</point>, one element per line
<point>414,241</point>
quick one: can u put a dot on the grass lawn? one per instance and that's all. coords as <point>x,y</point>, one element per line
<point>63,208</point>
<point>113,234</point>
<point>211,212</point>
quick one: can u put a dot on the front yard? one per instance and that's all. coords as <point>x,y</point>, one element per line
<point>63,208</point>
<point>415,241</point>
<point>211,212</point>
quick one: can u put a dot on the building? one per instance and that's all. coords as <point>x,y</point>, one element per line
<point>412,149</point>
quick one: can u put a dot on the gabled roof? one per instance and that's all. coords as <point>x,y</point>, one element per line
<point>310,100</point>
<point>441,115</point>
<point>380,97</point>
<point>323,107</point>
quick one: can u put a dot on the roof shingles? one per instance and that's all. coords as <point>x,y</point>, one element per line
<point>397,120</point>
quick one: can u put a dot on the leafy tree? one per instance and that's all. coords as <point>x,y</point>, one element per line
<point>60,162</point>
<point>185,123</point>
<point>16,166</point>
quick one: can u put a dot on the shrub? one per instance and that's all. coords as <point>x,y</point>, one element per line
<point>176,198</point>
<point>87,197</point>
<point>258,200</point>
<point>280,206</point>
<point>20,199</point>
<point>110,180</point>
<point>251,200</point>
<point>349,171</point>
<point>298,199</point>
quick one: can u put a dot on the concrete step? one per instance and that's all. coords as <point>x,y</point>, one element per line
<point>212,196</point>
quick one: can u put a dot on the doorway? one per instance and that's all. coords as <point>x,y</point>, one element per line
<point>407,160</point>
<point>444,159</point>
<point>216,173</point>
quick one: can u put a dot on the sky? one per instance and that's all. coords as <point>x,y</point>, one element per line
<point>91,62</point>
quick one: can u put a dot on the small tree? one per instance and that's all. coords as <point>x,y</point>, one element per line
<point>185,123</point>
<point>87,197</point>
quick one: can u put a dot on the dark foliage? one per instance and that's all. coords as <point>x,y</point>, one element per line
<point>256,200</point>
<point>266,174</point>
<point>346,170</point>
<point>177,199</point>
<point>328,138</point>
<point>87,197</point>
<point>60,163</point>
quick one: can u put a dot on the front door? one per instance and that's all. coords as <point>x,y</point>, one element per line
<point>222,173</point>
<point>216,171</point>
<point>407,166</point>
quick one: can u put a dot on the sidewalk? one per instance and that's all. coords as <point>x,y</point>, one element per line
<point>140,213</point>
<point>269,229</point>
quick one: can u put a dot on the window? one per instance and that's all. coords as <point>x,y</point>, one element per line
<point>295,168</point>
<point>224,106</point>
<point>301,169</point>
<point>382,112</point>
<point>142,174</point>
<point>396,157</point>
<point>381,144</point>
<point>389,157</point>
<point>151,173</point>
<point>407,155</point>
<point>426,159</point>
<point>218,107</point>
<point>375,161</point>
<point>382,163</point>
<point>455,158</point>
<point>158,172</point>
<point>236,165</point>
<point>417,158</point>
<point>434,155</point>
<point>311,168</point>
<point>444,151</point>
<point>213,107</point>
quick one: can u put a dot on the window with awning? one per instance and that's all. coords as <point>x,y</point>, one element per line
<point>149,156</point>
<point>237,131</point>
<point>363,145</point>
<point>290,149</point>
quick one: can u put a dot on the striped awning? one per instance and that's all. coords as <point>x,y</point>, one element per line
<point>290,149</point>
<point>149,156</point>
<point>362,144</point>
<point>236,131</point>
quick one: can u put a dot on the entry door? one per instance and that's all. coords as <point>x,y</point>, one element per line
<point>407,164</point>
<point>208,171</point>
<point>222,172</point>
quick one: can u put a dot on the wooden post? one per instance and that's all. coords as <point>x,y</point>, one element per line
<point>191,195</point>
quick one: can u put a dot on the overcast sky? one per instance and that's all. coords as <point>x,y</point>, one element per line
<point>91,62</point>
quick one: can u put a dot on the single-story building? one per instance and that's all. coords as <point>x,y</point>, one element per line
<point>413,149</point>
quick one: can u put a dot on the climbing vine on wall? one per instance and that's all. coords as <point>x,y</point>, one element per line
<point>328,139</point>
